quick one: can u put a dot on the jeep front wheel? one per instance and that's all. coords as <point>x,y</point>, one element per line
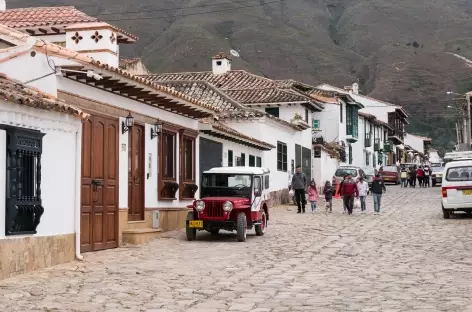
<point>241,227</point>
<point>214,231</point>
<point>260,228</point>
<point>191,233</point>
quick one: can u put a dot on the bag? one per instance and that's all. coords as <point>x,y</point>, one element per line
<point>291,193</point>
<point>357,203</point>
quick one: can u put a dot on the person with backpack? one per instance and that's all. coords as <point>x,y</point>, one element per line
<point>427,175</point>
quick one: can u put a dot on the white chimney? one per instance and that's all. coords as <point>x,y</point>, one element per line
<point>355,88</point>
<point>98,40</point>
<point>3,5</point>
<point>221,64</point>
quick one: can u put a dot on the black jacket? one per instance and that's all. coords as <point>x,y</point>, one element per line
<point>378,186</point>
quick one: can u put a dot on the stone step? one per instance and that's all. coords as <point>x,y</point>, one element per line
<point>140,236</point>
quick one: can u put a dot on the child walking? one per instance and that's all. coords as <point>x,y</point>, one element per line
<point>328,193</point>
<point>313,196</point>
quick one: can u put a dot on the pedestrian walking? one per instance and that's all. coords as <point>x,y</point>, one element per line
<point>349,191</point>
<point>299,185</point>
<point>403,177</point>
<point>420,176</point>
<point>412,177</point>
<point>340,192</point>
<point>313,195</point>
<point>363,188</point>
<point>378,188</point>
<point>427,175</point>
<point>333,184</point>
<point>328,193</point>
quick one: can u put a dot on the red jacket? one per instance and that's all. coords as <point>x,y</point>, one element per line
<point>349,188</point>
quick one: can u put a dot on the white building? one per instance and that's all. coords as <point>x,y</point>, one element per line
<point>389,113</point>
<point>40,150</point>
<point>268,110</point>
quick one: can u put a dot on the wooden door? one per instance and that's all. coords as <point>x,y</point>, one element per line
<point>136,173</point>
<point>99,202</point>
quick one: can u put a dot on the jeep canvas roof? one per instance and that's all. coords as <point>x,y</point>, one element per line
<point>239,170</point>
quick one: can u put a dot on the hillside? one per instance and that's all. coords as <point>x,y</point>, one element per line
<point>396,50</point>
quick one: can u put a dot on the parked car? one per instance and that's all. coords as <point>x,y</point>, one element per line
<point>390,173</point>
<point>369,177</point>
<point>355,172</point>
<point>437,175</point>
<point>457,187</point>
<point>232,199</point>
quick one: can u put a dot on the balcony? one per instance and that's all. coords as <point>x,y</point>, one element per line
<point>396,136</point>
<point>351,133</point>
<point>378,146</point>
<point>368,140</point>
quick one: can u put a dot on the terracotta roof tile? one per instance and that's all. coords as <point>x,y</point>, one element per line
<point>43,16</point>
<point>15,92</point>
<point>53,49</point>
<point>228,130</point>
<point>242,86</point>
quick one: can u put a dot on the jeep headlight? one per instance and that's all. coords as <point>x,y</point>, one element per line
<point>200,205</point>
<point>227,206</point>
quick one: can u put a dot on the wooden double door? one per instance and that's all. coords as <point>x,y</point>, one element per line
<point>136,173</point>
<point>99,196</point>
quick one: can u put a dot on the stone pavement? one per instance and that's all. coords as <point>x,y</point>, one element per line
<point>406,259</point>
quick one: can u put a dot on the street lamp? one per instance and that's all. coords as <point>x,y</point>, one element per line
<point>127,124</point>
<point>156,130</point>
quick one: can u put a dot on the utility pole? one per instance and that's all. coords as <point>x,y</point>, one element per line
<point>469,130</point>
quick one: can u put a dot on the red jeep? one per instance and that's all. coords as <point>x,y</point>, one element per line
<point>232,199</point>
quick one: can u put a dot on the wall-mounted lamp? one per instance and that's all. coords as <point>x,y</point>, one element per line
<point>127,124</point>
<point>156,130</point>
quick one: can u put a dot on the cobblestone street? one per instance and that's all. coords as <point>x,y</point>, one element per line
<point>407,259</point>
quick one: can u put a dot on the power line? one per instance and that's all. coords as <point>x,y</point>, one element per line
<point>172,9</point>
<point>192,14</point>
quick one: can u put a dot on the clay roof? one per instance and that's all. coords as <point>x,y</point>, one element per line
<point>252,114</point>
<point>59,16</point>
<point>15,92</point>
<point>228,130</point>
<point>204,92</point>
<point>242,86</point>
<point>221,55</point>
<point>58,51</point>
<point>43,16</point>
<point>376,121</point>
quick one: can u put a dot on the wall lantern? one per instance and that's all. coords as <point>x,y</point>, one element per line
<point>156,130</point>
<point>128,123</point>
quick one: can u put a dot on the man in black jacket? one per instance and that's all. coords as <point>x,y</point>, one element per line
<point>378,187</point>
<point>299,185</point>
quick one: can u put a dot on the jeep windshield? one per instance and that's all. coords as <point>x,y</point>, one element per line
<point>218,184</point>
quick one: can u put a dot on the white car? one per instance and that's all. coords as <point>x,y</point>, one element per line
<point>457,187</point>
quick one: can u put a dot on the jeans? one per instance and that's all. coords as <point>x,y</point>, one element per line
<point>348,202</point>
<point>313,206</point>
<point>362,198</point>
<point>403,184</point>
<point>300,198</point>
<point>377,200</point>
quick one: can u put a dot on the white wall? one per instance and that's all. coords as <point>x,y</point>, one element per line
<point>3,177</point>
<point>58,165</point>
<point>324,168</point>
<point>415,142</point>
<point>271,132</point>
<point>330,124</point>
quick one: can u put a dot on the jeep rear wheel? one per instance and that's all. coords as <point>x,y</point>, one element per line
<point>260,228</point>
<point>191,233</point>
<point>241,227</point>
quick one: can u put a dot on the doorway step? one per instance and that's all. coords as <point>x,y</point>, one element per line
<point>140,236</point>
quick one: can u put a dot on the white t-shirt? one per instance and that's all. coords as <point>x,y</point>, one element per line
<point>363,188</point>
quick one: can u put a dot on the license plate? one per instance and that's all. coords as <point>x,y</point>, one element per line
<point>467,192</point>
<point>195,224</point>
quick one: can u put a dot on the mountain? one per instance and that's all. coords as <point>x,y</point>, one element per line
<point>407,52</point>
